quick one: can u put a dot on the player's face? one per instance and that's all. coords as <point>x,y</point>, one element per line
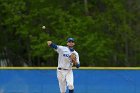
<point>70,44</point>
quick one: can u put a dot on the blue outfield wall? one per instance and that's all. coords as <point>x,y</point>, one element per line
<point>86,81</point>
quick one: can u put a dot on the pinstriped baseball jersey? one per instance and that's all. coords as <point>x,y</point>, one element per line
<point>63,58</point>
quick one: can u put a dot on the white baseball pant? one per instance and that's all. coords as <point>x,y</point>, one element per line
<point>65,78</point>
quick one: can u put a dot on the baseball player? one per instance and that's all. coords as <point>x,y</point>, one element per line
<point>65,63</point>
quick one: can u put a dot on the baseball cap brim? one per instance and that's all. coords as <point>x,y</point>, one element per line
<point>70,39</point>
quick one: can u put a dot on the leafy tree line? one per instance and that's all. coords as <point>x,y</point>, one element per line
<point>106,31</point>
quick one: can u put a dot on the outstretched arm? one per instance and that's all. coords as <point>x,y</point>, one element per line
<point>52,45</point>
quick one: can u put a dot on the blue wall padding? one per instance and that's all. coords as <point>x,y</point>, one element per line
<point>86,81</point>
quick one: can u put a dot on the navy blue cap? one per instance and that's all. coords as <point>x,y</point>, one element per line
<point>70,39</point>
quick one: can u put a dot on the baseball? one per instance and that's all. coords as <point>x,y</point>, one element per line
<point>43,27</point>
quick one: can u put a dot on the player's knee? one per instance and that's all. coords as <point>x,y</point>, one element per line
<point>71,87</point>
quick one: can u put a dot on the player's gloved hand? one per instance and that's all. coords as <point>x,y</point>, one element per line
<point>73,58</point>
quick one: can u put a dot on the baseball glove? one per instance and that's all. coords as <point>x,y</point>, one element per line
<point>73,58</point>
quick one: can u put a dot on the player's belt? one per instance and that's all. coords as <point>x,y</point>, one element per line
<point>62,69</point>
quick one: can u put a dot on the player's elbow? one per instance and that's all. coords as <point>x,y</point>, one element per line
<point>77,65</point>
